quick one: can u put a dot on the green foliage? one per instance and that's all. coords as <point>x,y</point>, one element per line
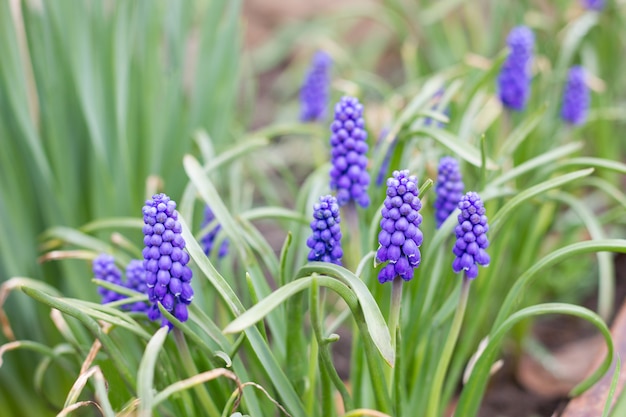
<point>105,103</point>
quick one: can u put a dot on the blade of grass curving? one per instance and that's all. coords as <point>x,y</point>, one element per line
<point>536,162</point>
<point>273,213</point>
<point>521,132</point>
<point>112,223</point>
<point>473,391</point>
<point>75,237</point>
<point>533,192</point>
<point>115,354</point>
<point>579,248</point>
<point>606,270</point>
<point>463,149</point>
<point>373,317</point>
<point>145,373</point>
<point>596,163</point>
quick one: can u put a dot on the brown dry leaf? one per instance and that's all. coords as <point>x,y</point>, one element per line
<point>567,367</point>
<point>591,402</point>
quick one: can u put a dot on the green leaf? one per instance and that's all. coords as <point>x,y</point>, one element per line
<point>463,149</point>
<point>473,392</point>
<point>373,317</point>
<point>531,192</point>
<point>145,373</point>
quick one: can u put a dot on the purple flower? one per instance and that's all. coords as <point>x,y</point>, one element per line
<point>449,189</point>
<point>596,5</point>
<point>471,236</point>
<point>514,78</point>
<point>168,277</point>
<point>348,175</point>
<point>209,239</point>
<point>400,237</point>
<point>575,97</point>
<point>436,99</point>
<point>314,92</point>
<point>104,269</point>
<point>325,241</point>
<point>136,280</point>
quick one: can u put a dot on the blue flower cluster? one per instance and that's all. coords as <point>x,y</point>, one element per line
<point>471,236</point>
<point>348,175</point>
<point>514,78</point>
<point>168,277</point>
<point>104,269</point>
<point>400,237</point>
<point>325,241</point>
<point>136,280</point>
<point>595,5</point>
<point>575,97</point>
<point>314,92</point>
<point>449,188</point>
<point>209,239</point>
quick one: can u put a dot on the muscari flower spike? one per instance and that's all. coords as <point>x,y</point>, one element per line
<point>325,241</point>
<point>168,277</point>
<point>435,103</point>
<point>449,189</point>
<point>400,237</point>
<point>348,175</point>
<point>136,280</point>
<point>209,239</point>
<point>595,5</point>
<point>314,92</point>
<point>575,97</point>
<point>514,78</point>
<point>104,269</point>
<point>471,236</point>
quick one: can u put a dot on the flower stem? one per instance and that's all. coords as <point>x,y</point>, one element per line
<point>394,319</point>
<point>190,367</point>
<point>444,359</point>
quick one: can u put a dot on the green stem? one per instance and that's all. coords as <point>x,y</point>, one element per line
<point>444,360</point>
<point>325,358</point>
<point>394,319</point>
<point>190,367</point>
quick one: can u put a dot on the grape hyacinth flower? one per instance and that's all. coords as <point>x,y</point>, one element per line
<point>104,269</point>
<point>435,103</point>
<point>314,92</point>
<point>471,237</point>
<point>595,5</point>
<point>325,242</point>
<point>209,239</point>
<point>136,280</point>
<point>575,97</point>
<point>449,189</point>
<point>514,78</point>
<point>168,277</point>
<point>400,237</point>
<point>348,175</point>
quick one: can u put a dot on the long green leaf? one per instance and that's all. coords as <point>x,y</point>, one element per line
<point>145,373</point>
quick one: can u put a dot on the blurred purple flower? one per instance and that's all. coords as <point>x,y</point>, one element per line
<point>400,236</point>
<point>596,5</point>
<point>314,92</point>
<point>514,78</point>
<point>136,280</point>
<point>471,236</point>
<point>104,268</point>
<point>209,239</point>
<point>449,189</point>
<point>168,278</point>
<point>348,175</point>
<point>325,241</point>
<point>575,97</point>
